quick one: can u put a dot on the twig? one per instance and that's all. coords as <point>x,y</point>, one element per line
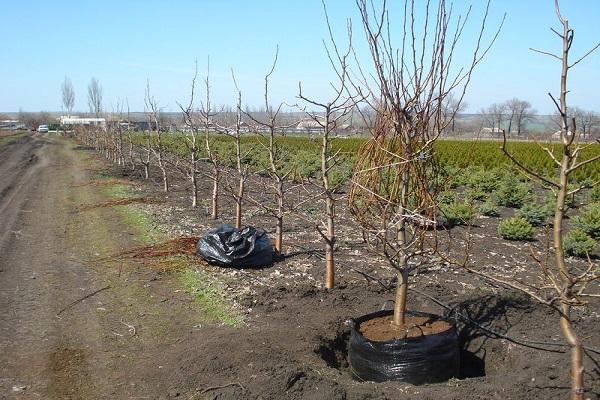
<point>523,342</point>
<point>371,277</point>
<point>131,329</point>
<point>87,296</point>
<point>222,387</point>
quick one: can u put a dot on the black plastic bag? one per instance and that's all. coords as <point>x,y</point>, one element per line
<point>230,247</point>
<point>416,360</point>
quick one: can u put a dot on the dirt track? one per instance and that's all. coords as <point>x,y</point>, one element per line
<point>49,347</point>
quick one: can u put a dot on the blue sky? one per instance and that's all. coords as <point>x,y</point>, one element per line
<point>124,43</point>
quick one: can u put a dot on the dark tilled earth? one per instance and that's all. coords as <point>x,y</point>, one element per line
<point>292,344</point>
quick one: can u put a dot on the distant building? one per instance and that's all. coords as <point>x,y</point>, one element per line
<point>317,125</point>
<point>558,134</point>
<point>492,130</point>
<point>74,120</point>
<point>11,124</point>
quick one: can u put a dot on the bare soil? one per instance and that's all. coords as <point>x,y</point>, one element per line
<point>382,329</point>
<point>142,337</point>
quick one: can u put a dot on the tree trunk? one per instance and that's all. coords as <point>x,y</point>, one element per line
<point>131,159</point>
<point>329,204</point>
<point>194,191</point>
<point>165,179</point>
<point>329,243</point>
<point>279,234</point>
<point>402,287</point>
<point>329,264</point>
<point>238,204</point>
<point>577,368</point>
<point>400,300</point>
<point>279,227</point>
<point>215,193</point>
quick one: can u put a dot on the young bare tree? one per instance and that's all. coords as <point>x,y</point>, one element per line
<point>241,168</point>
<point>116,125</point>
<point>145,153</point>
<point>333,112</point>
<point>130,141</point>
<point>563,285</point>
<point>190,169</point>
<point>207,113</point>
<point>68,95</point>
<point>270,124</point>
<point>95,97</point>
<point>393,194</point>
<point>157,146</point>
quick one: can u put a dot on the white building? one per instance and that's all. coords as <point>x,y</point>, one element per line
<point>74,120</point>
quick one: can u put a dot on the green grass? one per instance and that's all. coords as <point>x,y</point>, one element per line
<point>209,297</point>
<point>207,292</point>
<point>133,216</point>
<point>4,140</point>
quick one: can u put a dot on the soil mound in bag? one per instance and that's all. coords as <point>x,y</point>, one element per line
<point>419,359</point>
<point>227,246</point>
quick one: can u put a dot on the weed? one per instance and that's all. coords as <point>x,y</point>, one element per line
<point>209,297</point>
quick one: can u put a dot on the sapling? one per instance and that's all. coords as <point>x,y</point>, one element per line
<point>157,146</point>
<point>394,195</point>
<point>269,127</point>
<point>563,284</point>
<point>241,167</point>
<point>333,112</point>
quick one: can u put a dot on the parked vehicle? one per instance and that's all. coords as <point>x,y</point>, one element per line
<point>43,128</point>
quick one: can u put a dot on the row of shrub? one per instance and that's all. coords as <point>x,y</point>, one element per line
<point>580,241</point>
<point>300,155</point>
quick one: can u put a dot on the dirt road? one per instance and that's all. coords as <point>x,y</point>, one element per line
<point>51,344</point>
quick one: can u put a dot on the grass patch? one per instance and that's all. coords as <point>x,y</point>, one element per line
<point>132,216</point>
<point>118,190</point>
<point>7,139</point>
<point>209,297</point>
<point>146,231</point>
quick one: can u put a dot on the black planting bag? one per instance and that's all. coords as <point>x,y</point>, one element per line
<point>230,247</point>
<point>416,360</point>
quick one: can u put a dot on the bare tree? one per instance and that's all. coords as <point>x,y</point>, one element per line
<point>586,120</point>
<point>117,134</point>
<point>563,285</point>
<point>145,152</point>
<point>241,168</point>
<point>192,140</point>
<point>95,97</point>
<point>68,95</point>
<point>270,124</point>
<point>207,113</point>
<point>153,113</point>
<point>519,113</point>
<point>451,108</point>
<point>495,115</point>
<point>129,133</point>
<point>333,112</point>
<point>392,194</point>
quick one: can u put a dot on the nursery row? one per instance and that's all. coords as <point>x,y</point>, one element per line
<point>299,155</point>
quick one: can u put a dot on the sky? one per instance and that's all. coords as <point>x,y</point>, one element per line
<point>126,43</point>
